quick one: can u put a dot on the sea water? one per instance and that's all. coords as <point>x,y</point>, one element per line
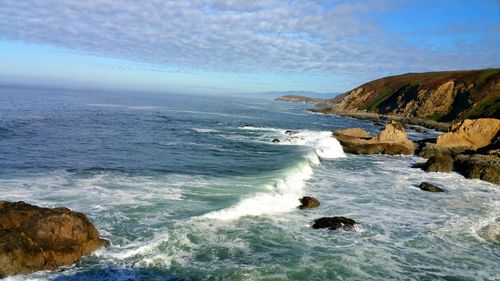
<point>193,188</point>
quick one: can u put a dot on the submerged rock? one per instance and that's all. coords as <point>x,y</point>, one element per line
<point>248,125</point>
<point>425,186</point>
<point>334,223</point>
<point>34,238</point>
<point>392,140</point>
<point>288,132</point>
<point>308,202</point>
<point>275,141</point>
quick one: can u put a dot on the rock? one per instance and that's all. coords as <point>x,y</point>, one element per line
<point>34,238</point>
<point>392,140</point>
<point>470,134</point>
<point>477,166</point>
<point>308,202</point>
<point>334,223</point>
<point>352,132</point>
<point>275,141</point>
<point>288,132</point>
<point>429,187</point>
<point>441,161</point>
<point>251,126</point>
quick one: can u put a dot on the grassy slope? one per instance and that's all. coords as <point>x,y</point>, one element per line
<point>480,100</point>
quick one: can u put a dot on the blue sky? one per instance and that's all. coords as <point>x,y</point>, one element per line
<point>202,46</point>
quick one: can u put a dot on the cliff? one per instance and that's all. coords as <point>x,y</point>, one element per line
<point>438,96</point>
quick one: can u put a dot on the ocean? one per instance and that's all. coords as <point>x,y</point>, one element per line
<point>193,188</point>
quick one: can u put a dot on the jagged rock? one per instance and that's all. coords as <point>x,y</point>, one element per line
<point>477,166</point>
<point>34,238</point>
<point>392,140</point>
<point>334,223</point>
<point>308,202</point>
<point>430,187</point>
<point>470,134</point>
<point>275,141</point>
<point>441,161</point>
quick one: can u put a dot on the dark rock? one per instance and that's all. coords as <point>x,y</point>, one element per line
<point>334,223</point>
<point>442,161</point>
<point>308,202</point>
<point>422,144</point>
<point>251,126</point>
<point>275,141</point>
<point>477,166</point>
<point>376,148</point>
<point>430,187</point>
<point>34,238</point>
<point>288,132</point>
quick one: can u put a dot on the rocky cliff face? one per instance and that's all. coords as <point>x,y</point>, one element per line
<point>440,96</point>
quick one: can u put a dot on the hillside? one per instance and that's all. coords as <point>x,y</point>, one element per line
<point>438,96</point>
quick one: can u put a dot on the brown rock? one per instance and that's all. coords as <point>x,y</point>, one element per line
<point>34,238</point>
<point>477,166</point>
<point>392,140</point>
<point>470,134</point>
<point>308,202</point>
<point>352,132</point>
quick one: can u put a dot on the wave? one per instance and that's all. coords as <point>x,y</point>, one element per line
<point>290,187</point>
<point>284,197</point>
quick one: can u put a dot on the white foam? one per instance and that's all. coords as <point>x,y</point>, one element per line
<point>325,146</point>
<point>283,198</point>
<point>285,193</point>
<point>204,130</point>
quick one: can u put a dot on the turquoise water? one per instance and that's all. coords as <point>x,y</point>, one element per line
<point>185,190</point>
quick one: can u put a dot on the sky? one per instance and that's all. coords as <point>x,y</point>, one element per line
<point>201,46</point>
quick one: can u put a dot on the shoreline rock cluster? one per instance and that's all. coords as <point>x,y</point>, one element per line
<point>470,147</point>
<point>34,238</point>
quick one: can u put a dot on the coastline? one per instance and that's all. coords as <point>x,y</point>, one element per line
<point>376,117</point>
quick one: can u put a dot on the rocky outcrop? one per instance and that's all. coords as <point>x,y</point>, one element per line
<point>470,134</point>
<point>471,148</point>
<point>334,223</point>
<point>478,166</point>
<point>34,238</point>
<point>425,186</point>
<point>308,202</point>
<point>392,140</point>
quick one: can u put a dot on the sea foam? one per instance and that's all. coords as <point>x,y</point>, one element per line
<point>288,189</point>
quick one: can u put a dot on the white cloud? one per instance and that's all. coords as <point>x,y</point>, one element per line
<point>235,36</point>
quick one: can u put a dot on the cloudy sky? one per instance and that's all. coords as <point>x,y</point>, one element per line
<point>242,46</point>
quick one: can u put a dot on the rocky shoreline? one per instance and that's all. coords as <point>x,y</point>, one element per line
<point>470,147</point>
